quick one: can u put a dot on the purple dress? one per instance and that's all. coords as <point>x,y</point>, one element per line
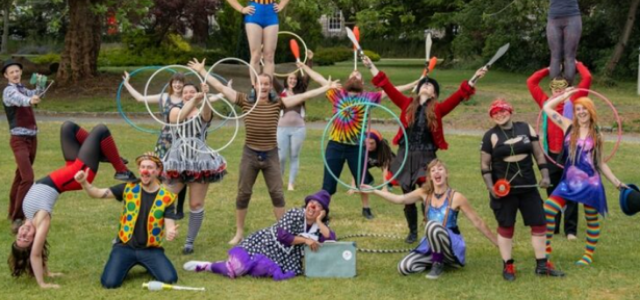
<point>580,180</point>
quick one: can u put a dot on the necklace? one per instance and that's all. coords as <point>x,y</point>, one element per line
<point>438,196</point>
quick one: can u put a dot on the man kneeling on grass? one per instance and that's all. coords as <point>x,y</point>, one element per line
<point>139,243</point>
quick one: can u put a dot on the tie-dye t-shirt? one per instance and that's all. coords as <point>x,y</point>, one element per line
<point>346,127</point>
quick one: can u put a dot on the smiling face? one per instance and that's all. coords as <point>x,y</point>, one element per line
<point>265,86</point>
<point>176,86</point>
<point>313,210</point>
<point>501,117</point>
<point>149,172</point>
<point>292,80</point>
<point>188,92</point>
<point>438,175</point>
<point>25,235</point>
<point>13,74</point>
<point>582,114</point>
<point>427,90</point>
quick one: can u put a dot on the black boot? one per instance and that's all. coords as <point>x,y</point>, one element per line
<point>411,214</point>
<point>366,212</point>
<point>127,176</point>
<point>180,205</point>
<point>545,268</point>
<point>509,271</point>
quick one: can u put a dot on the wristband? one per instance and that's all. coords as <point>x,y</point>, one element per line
<point>543,166</point>
<point>486,172</point>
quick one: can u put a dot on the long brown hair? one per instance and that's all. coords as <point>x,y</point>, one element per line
<point>176,77</point>
<point>19,259</point>
<point>429,113</point>
<point>594,133</point>
<point>428,187</point>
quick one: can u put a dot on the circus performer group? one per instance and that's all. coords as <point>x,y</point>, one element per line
<point>273,115</point>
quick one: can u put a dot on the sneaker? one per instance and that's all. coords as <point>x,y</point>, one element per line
<point>366,212</point>
<point>196,266</point>
<point>509,271</point>
<point>411,238</point>
<point>547,269</point>
<point>127,176</point>
<point>436,270</point>
<point>188,249</point>
<point>571,237</point>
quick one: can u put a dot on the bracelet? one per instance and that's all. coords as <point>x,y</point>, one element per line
<point>543,166</point>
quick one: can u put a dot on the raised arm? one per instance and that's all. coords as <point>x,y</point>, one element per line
<point>533,84</point>
<point>177,115</point>
<point>585,80</point>
<point>298,99</point>
<point>473,216</point>
<point>315,76</point>
<point>410,198</point>
<point>93,192</point>
<point>549,109</point>
<point>227,91</point>
<point>136,95</point>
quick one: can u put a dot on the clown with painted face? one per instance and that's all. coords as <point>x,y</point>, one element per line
<point>147,218</point>
<point>506,161</point>
<point>421,118</point>
<point>584,167</point>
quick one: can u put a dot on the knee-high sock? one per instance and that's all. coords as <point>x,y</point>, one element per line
<point>552,206</point>
<point>110,151</point>
<point>219,267</point>
<point>593,234</point>
<point>195,222</point>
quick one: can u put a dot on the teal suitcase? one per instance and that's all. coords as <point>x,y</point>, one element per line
<point>332,260</point>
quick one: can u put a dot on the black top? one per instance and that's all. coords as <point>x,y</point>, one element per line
<point>563,8</point>
<point>420,138</point>
<point>520,136</point>
<point>140,236</point>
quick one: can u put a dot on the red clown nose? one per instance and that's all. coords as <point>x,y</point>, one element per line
<point>145,172</point>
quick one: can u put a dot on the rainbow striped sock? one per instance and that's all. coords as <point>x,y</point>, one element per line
<point>551,208</point>
<point>593,235</point>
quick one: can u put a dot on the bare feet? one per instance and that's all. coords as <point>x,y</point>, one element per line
<point>290,188</point>
<point>236,239</point>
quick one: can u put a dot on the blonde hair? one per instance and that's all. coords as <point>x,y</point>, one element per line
<point>428,187</point>
<point>594,133</point>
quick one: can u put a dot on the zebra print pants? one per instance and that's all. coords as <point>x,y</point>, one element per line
<point>439,242</point>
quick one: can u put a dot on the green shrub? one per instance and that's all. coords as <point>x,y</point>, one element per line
<point>330,56</point>
<point>46,59</point>
<point>154,57</point>
<point>372,55</point>
<point>175,42</point>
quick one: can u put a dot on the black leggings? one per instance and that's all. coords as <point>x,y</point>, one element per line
<point>78,143</point>
<point>563,36</point>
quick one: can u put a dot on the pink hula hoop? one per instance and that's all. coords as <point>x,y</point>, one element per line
<point>615,113</point>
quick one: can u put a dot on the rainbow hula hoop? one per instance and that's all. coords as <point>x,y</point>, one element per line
<point>615,113</point>
<point>324,156</point>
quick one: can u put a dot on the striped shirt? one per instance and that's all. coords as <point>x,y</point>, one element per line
<point>39,197</point>
<point>263,1</point>
<point>261,125</point>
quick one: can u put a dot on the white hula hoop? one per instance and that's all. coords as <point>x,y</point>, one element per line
<point>259,89</point>
<point>146,89</point>
<point>304,61</point>
<point>235,133</point>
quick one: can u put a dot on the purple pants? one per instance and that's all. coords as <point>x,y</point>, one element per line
<point>241,263</point>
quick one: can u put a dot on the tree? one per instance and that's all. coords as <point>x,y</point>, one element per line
<point>176,16</point>
<point>624,38</point>
<point>6,7</point>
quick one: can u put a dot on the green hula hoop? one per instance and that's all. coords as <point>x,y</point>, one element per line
<point>326,129</point>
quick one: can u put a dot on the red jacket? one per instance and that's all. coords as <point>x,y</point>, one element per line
<point>442,108</point>
<point>555,135</point>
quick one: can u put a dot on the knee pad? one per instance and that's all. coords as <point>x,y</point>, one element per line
<point>506,232</point>
<point>538,230</point>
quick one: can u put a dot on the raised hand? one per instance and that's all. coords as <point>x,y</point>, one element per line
<point>196,65</point>
<point>81,176</point>
<point>126,76</point>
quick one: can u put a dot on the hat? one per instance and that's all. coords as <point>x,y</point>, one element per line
<point>498,105</point>
<point>376,135</point>
<point>322,196</point>
<point>10,62</point>
<point>152,157</point>
<point>630,200</point>
<point>436,86</point>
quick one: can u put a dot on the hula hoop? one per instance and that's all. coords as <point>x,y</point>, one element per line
<point>258,93</point>
<point>324,157</point>
<point>146,89</point>
<point>224,81</point>
<point>376,235</point>
<point>119,102</point>
<point>235,133</point>
<point>615,113</point>
<point>304,61</point>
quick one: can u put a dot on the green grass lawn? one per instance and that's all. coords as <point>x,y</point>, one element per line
<point>511,86</point>
<point>82,230</point>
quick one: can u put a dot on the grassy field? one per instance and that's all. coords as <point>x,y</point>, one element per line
<point>101,97</point>
<point>82,230</point>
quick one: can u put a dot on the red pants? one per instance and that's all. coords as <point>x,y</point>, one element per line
<point>24,150</point>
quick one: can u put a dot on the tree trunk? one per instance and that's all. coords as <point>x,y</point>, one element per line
<point>5,31</point>
<point>79,59</point>
<point>624,39</point>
